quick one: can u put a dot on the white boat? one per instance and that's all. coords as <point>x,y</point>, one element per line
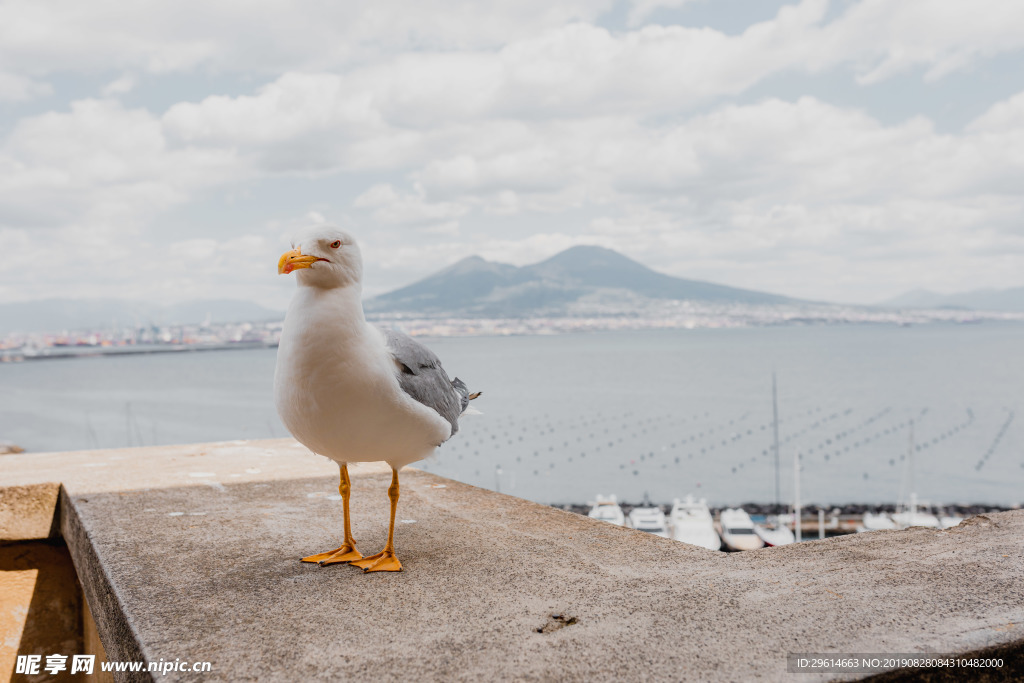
<point>607,510</point>
<point>774,533</point>
<point>738,530</point>
<point>909,518</point>
<point>915,515</point>
<point>692,523</point>
<point>875,522</point>
<point>949,521</point>
<point>649,519</point>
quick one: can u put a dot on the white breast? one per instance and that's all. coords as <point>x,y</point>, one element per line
<point>337,390</point>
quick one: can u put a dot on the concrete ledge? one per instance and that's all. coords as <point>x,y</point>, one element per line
<point>29,513</point>
<point>206,569</point>
<point>29,483</point>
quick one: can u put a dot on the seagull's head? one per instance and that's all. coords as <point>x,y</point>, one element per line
<point>324,257</point>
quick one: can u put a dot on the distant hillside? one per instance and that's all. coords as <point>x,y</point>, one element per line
<point>594,275</point>
<point>978,300</point>
<point>54,315</point>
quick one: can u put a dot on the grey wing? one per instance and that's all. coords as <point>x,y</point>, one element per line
<point>421,376</point>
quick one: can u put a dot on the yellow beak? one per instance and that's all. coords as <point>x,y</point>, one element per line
<point>294,260</point>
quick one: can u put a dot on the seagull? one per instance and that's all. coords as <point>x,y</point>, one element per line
<point>351,391</point>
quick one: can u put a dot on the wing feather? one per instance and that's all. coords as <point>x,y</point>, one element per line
<point>421,375</point>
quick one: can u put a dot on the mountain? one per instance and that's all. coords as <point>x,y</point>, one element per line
<point>583,276</point>
<point>49,315</point>
<point>979,300</point>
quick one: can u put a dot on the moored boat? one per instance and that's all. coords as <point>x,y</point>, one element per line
<point>649,519</point>
<point>774,533</point>
<point>872,521</point>
<point>692,523</point>
<point>948,521</point>
<point>915,514</point>
<point>737,530</point>
<point>607,509</point>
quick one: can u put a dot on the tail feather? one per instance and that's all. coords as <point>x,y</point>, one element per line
<point>464,396</point>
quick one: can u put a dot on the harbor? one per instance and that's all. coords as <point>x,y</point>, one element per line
<point>816,522</point>
<point>736,529</point>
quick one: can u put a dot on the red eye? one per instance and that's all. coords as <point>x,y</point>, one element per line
<point>335,244</point>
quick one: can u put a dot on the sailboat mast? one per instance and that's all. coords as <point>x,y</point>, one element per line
<point>775,424</point>
<point>910,464</point>
<point>797,512</point>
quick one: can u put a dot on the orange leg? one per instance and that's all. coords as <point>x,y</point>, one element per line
<point>347,552</point>
<point>385,560</point>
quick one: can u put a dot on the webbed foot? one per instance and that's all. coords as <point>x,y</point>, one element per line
<point>346,553</point>
<point>384,561</point>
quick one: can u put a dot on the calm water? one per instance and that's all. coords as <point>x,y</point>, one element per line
<point>664,413</point>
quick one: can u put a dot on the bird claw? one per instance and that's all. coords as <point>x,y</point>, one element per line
<point>346,553</point>
<point>384,561</point>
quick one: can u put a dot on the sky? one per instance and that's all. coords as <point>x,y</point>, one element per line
<point>843,150</point>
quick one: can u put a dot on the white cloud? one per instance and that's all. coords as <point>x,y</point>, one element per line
<point>449,229</point>
<point>300,122</point>
<point>120,86</point>
<point>16,88</point>
<point>941,36</point>
<point>389,206</point>
<point>512,130</point>
<point>273,36</point>
<point>641,10</point>
<point>408,108</point>
<point>103,165</point>
<point>84,185</point>
<point>1002,117</point>
<point>265,36</point>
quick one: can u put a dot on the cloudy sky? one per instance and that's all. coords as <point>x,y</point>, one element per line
<point>843,150</point>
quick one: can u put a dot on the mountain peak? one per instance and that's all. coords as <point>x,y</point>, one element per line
<point>474,286</point>
<point>470,264</point>
<point>474,259</point>
<point>589,251</point>
<point>588,257</point>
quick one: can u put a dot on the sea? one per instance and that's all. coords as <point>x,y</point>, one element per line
<point>870,412</point>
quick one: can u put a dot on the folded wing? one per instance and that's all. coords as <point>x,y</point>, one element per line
<point>421,376</point>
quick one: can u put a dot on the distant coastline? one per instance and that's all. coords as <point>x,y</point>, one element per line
<point>66,352</point>
<point>669,316</point>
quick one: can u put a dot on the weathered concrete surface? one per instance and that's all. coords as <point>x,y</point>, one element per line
<point>206,569</point>
<point>222,583</point>
<point>29,482</point>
